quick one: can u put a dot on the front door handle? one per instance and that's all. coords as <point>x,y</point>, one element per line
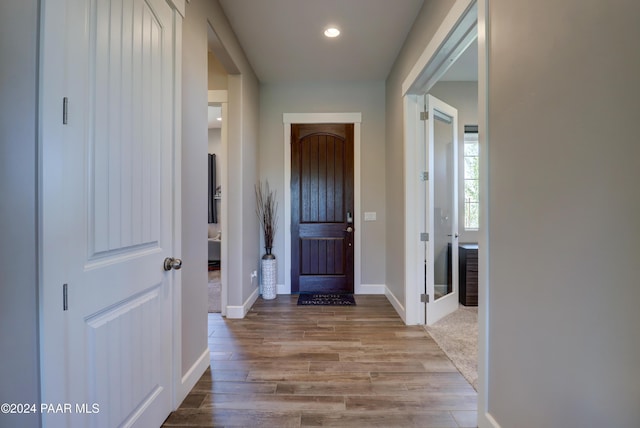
<point>349,229</point>
<point>171,263</point>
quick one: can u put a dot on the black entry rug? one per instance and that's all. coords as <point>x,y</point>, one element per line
<point>326,300</point>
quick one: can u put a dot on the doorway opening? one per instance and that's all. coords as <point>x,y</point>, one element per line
<point>454,326</point>
<point>220,68</point>
<point>460,37</point>
<point>217,163</point>
<point>453,48</point>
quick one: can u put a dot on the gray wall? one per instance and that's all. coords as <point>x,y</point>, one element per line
<point>19,370</point>
<point>424,27</point>
<point>364,97</point>
<point>563,223</point>
<point>245,176</point>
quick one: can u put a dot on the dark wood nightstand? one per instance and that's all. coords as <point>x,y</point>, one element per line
<point>468,274</point>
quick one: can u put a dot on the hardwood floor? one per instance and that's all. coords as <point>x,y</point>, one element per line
<point>300,366</point>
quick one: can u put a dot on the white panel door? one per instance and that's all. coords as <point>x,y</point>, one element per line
<point>107,198</point>
<point>441,210</point>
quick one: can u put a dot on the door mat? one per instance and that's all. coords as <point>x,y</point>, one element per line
<point>326,300</point>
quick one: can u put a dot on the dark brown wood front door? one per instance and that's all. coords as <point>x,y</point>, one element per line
<point>322,217</point>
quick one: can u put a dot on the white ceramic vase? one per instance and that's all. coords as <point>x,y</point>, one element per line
<point>269,277</point>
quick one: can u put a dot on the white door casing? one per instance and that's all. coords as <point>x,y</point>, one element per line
<point>107,219</point>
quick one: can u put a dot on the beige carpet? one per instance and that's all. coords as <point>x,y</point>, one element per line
<point>457,335</point>
<point>214,291</point>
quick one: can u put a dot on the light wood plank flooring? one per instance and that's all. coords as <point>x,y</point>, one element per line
<point>300,366</point>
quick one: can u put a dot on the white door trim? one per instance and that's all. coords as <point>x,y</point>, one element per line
<point>457,31</point>
<point>485,419</point>
<point>413,200</point>
<point>288,119</point>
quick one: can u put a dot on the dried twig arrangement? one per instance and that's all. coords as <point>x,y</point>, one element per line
<point>267,211</point>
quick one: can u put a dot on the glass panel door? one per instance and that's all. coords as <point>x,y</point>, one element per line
<point>442,206</point>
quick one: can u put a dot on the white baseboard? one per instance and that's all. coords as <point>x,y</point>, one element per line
<point>282,289</point>
<point>239,312</point>
<point>396,304</point>
<point>371,289</point>
<point>485,420</point>
<point>192,376</point>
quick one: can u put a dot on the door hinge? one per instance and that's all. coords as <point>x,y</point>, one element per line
<point>424,176</point>
<point>424,115</point>
<point>424,298</point>
<point>424,237</point>
<point>65,298</point>
<point>65,110</point>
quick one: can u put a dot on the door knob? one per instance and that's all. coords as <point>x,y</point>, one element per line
<point>349,229</point>
<point>171,263</point>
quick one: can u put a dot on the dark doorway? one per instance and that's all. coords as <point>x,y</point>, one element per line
<point>322,207</point>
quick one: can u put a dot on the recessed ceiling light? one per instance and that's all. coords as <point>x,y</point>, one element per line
<point>219,119</point>
<point>332,32</point>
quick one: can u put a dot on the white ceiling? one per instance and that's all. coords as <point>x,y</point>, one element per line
<point>284,41</point>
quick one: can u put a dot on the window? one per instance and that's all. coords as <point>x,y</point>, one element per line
<point>471,178</point>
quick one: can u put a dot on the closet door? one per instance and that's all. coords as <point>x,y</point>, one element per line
<point>108,198</point>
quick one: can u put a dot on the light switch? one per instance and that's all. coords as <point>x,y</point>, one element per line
<point>369,216</point>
